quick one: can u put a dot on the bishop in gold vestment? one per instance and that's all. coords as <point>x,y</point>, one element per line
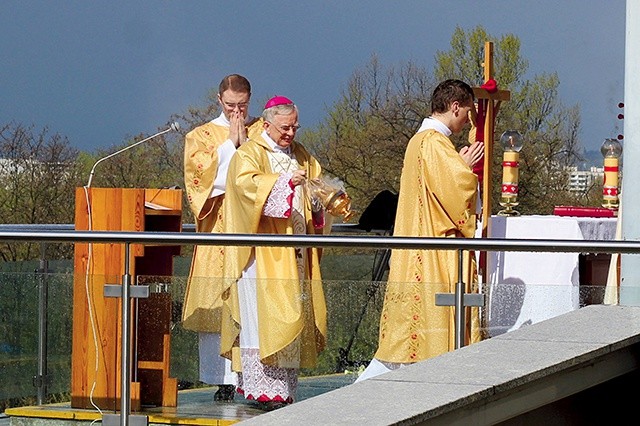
<point>275,318</point>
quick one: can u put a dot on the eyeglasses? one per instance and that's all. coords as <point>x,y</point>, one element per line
<point>240,105</point>
<point>286,129</point>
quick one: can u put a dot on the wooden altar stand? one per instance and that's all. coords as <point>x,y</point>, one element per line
<point>96,348</point>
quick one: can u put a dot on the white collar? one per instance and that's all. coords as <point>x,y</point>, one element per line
<point>435,124</point>
<point>273,145</point>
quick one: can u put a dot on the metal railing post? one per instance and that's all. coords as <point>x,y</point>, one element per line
<point>125,377</point>
<point>459,306</point>
<point>41,379</point>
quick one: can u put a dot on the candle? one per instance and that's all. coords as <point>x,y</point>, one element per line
<point>611,151</point>
<point>511,142</point>
<point>611,172</point>
<point>510,167</point>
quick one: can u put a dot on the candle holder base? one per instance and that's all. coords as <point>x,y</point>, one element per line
<point>611,204</point>
<point>508,202</point>
<point>508,212</point>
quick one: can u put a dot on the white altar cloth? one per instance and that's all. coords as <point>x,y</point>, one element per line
<point>527,287</point>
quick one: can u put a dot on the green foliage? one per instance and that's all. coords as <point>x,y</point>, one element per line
<point>465,60</point>
<point>153,164</point>
<point>19,298</point>
<point>39,172</point>
<point>362,140</point>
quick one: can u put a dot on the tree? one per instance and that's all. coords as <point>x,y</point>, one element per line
<point>152,164</point>
<point>39,175</point>
<point>550,129</point>
<point>362,141</point>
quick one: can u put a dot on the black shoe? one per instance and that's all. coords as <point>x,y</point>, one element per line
<point>272,405</point>
<point>225,393</point>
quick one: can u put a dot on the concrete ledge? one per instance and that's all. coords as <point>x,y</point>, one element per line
<point>488,382</point>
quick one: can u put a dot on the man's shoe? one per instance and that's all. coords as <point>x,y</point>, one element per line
<point>225,393</point>
<point>272,405</point>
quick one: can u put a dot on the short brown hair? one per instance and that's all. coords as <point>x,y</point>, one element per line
<point>448,92</point>
<point>235,82</point>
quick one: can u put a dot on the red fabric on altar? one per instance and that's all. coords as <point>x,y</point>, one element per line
<point>584,211</point>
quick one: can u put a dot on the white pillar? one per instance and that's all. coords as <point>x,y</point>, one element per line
<point>630,264</point>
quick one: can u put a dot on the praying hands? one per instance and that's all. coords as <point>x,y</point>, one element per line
<point>473,153</point>
<point>237,129</point>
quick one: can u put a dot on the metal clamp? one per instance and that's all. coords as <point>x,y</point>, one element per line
<point>135,291</point>
<point>468,299</point>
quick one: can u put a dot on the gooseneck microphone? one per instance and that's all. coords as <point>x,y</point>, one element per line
<point>173,126</point>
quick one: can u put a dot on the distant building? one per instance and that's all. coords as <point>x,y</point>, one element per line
<point>12,168</point>
<point>582,180</point>
<point>9,167</point>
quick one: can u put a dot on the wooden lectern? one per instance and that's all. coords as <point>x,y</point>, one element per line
<point>96,351</point>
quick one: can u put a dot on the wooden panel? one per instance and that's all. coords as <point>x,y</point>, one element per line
<point>169,384</point>
<point>170,392</point>
<point>169,198</point>
<point>117,209</point>
<point>95,265</point>
<point>151,365</point>
<point>501,95</point>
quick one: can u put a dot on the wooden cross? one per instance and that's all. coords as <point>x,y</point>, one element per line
<point>492,101</point>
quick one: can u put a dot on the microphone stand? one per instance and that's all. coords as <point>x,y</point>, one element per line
<point>174,126</point>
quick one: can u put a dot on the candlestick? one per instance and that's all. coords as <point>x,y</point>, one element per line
<point>511,142</point>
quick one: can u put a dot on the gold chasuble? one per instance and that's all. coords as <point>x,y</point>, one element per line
<point>203,295</point>
<point>438,193</point>
<point>290,305</point>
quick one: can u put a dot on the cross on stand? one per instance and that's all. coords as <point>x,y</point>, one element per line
<point>489,100</point>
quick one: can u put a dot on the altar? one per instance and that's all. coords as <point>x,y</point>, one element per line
<point>528,287</point>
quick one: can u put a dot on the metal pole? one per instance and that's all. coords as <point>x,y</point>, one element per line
<point>459,314</point>
<point>125,376</point>
<point>43,301</point>
<point>630,265</point>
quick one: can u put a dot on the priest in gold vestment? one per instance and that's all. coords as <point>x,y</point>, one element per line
<point>275,318</point>
<point>208,150</point>
<point>437,198</point>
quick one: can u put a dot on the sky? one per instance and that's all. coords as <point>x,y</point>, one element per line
<point>100,72</point>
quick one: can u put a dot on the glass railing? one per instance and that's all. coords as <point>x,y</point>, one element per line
<point>24,342</point>
<point>353,310</point>
<point>37,316</point>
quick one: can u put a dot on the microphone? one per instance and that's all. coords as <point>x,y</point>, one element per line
<point>173,126</point>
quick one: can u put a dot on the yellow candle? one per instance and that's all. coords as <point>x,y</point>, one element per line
<point>510,167</point>
<point>610,172</point>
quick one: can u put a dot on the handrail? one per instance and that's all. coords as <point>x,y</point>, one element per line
<point>372,241</point>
